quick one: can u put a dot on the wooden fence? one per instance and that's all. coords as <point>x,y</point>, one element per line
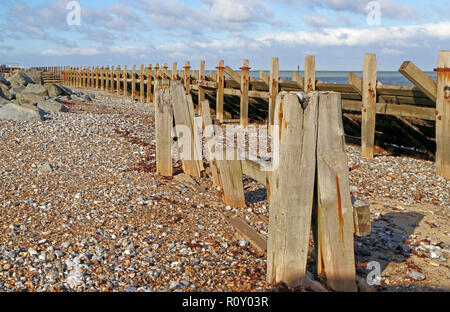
<point>426,100</point>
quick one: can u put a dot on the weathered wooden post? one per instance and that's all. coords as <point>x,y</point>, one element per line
<point>163,128</point>
<point>156,71</point>
<point>336,255</point>
<point>220,90</point>
<point>292,188</point>
<point>201,79</point>
<point>245,84</point>
<point>310,73</point>
<point>118,78</point>
<point>187,77</point>
<point>443,115</point>
<point>133,83</point>
<point>209,135</point>
<point>141,85</point>
<point>149,84</point>
<point>174,71</point>
<point>369,100</point>
<point>110,87</point>
<point>273,87</point>
<point>125,80</point>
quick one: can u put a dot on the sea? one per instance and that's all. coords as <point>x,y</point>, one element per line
<point>385,77</point>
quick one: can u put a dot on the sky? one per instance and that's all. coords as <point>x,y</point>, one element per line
<point>337,32</point>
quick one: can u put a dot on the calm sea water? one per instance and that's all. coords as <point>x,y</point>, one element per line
<point>385,77</point>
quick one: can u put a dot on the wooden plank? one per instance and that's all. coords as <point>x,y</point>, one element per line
<point>335,87</point>
<point>198,150</point>
<point>184,129</point>
<point>253,169</point>
<point>355,82</point>
<point>234,75</point>
<point>273,88</point>
<point>230,177</point>
<point>133,83</point>
<point>399,90</point>
<point>369,99</point>
<point>419,79</point>
<point>245,84</point>
<point>443,115</point>
<point>310,73</point>
<point>174,71</point>
<point>336,256</point>
<point>141,85</point>
<point>292,188</point>
<point>298,79</point>
<point>207,84</point>
<point>361,217</point>
<point>163,128</point>
<point>209,135</point>
<point>220,90</point>
<point>410,111</point>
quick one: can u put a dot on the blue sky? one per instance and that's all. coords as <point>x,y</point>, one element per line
<point>138,32</point>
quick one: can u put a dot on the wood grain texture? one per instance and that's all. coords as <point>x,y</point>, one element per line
<point>443,115</point>
<point>163,128</point>
<point>369,100</point>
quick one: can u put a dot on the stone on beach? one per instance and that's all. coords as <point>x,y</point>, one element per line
<point>21,112</point>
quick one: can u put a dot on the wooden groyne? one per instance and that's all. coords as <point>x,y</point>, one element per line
<point>418,115</point>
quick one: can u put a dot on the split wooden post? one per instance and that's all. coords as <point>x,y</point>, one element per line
<point>220,90</point>
<point>133,83</point>
<point>141,85</point>
<point>86,77</point>
<point>111,80</point>
<point>201,79</point>
<point>102,78</point>
<point>125,80</point>
<point>292,188</point>
<point>369,100</point>
<point>336,256</point>
<point>184,127</point>
<point>273,88</point>
<point>97,81</point>
<point>209,135</point>
<point>187,77</point>
<point>245,84</point>
<point>443,115</point>
<point>174,71</point>
<point>149,84</point>
<point>310,73</point>
<point>156,71</point>
<point>163,128</point>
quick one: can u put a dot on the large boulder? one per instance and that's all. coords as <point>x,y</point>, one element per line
<point>35,75</point>
<point>52,106</point>
<point>3,101</point>
<point>21,112</point>
<point>4,81</point>
<point>19,79</point>
<point>5,92</point>
<point>53,90</point>
<point>36,89</point>
<point>29,98</point>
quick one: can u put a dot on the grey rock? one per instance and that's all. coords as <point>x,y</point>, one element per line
<point>45,168</point>
<point>52,106</point>
<point>19,79</point>
<point>29,98</point>
<point>35,76</point>
<point>416,275</point>
<point>6,93</point>
<point>53,90</point>
<point>243,243</point>
<point>174,285</point>
<point>3,101</point>
<point>4,81</point>
<point>21,113</point>
<point>36,89</point>
<point>130,288</point>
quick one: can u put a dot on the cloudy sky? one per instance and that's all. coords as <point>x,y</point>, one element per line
<point>337,32</point>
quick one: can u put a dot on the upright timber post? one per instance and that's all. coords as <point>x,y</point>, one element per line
<point>220,90</point>
<point>187,77</point>
<point>111,80</point>
<point>310,73</point>
<point>443,115</point>
<point>125,80</point>
<point>369,100</point>
<point>118,71</point>
<point>174,71</point>
<point>149,84</point>
<point>273,87</point>
<point>245,84</point>
<point>133,83</point>
<point>201,78</point>
<point>157,71</point>
<point>163,128</point>
<point>141,85</point>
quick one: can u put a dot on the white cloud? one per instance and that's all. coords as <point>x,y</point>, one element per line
<point>72,52</point>
<point>389,51</point>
